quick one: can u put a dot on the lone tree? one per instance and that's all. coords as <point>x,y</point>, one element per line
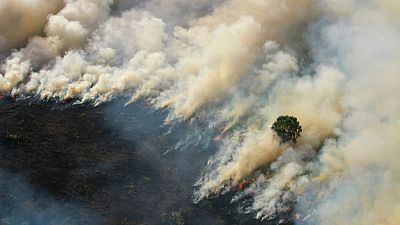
<point>287,128</point>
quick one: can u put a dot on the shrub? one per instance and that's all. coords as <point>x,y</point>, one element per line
<point>287,128</point>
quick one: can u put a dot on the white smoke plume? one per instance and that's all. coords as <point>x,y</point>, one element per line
<point>360,168</point>
<point>68,29</point>
<point>238,65</point>
<point>21,20</point>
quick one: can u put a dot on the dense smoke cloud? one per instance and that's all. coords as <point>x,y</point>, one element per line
<point>360,168</point>
<point>176,12</point>
<point>68,29</point>
<point>238,65</point>
<point>21,20</point>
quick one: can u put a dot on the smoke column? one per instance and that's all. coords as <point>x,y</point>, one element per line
<point>238,65</point>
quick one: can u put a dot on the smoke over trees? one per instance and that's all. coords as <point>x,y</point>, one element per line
<point>235,66</point>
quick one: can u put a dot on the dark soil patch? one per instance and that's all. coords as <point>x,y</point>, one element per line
<point>105,164</point>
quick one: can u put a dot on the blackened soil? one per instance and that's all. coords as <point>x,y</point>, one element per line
<point>103,164</point>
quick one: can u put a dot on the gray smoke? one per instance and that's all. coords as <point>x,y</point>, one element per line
<point>21,203</point>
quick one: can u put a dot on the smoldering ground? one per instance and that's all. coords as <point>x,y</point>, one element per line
<point>235,66</point>
<point>109,166</point>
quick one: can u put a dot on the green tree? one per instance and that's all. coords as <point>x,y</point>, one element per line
<point>287,128</point>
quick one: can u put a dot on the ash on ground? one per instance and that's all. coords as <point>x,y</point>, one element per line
<point>79,164</point>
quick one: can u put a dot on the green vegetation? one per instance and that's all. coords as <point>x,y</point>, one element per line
<point>287,128</point>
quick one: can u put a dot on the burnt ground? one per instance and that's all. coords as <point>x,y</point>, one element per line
<point>80,164</point>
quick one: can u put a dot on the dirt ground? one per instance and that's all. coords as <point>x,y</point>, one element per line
<point>79,164</point>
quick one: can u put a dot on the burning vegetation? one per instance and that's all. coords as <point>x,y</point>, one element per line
<point>227,70</point>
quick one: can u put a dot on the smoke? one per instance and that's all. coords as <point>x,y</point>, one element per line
<point>176,12</point>
<point>236,66</point>
<point>68,29</point>
<point>21,203</point>
<point>359,168</point>
<point>21,19</point>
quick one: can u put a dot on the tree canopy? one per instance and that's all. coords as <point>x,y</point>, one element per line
<point>287,128</point>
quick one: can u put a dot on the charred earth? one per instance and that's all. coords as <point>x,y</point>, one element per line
<point>79,164</point>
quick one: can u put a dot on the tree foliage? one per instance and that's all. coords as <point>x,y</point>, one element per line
<point>287,128</point>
